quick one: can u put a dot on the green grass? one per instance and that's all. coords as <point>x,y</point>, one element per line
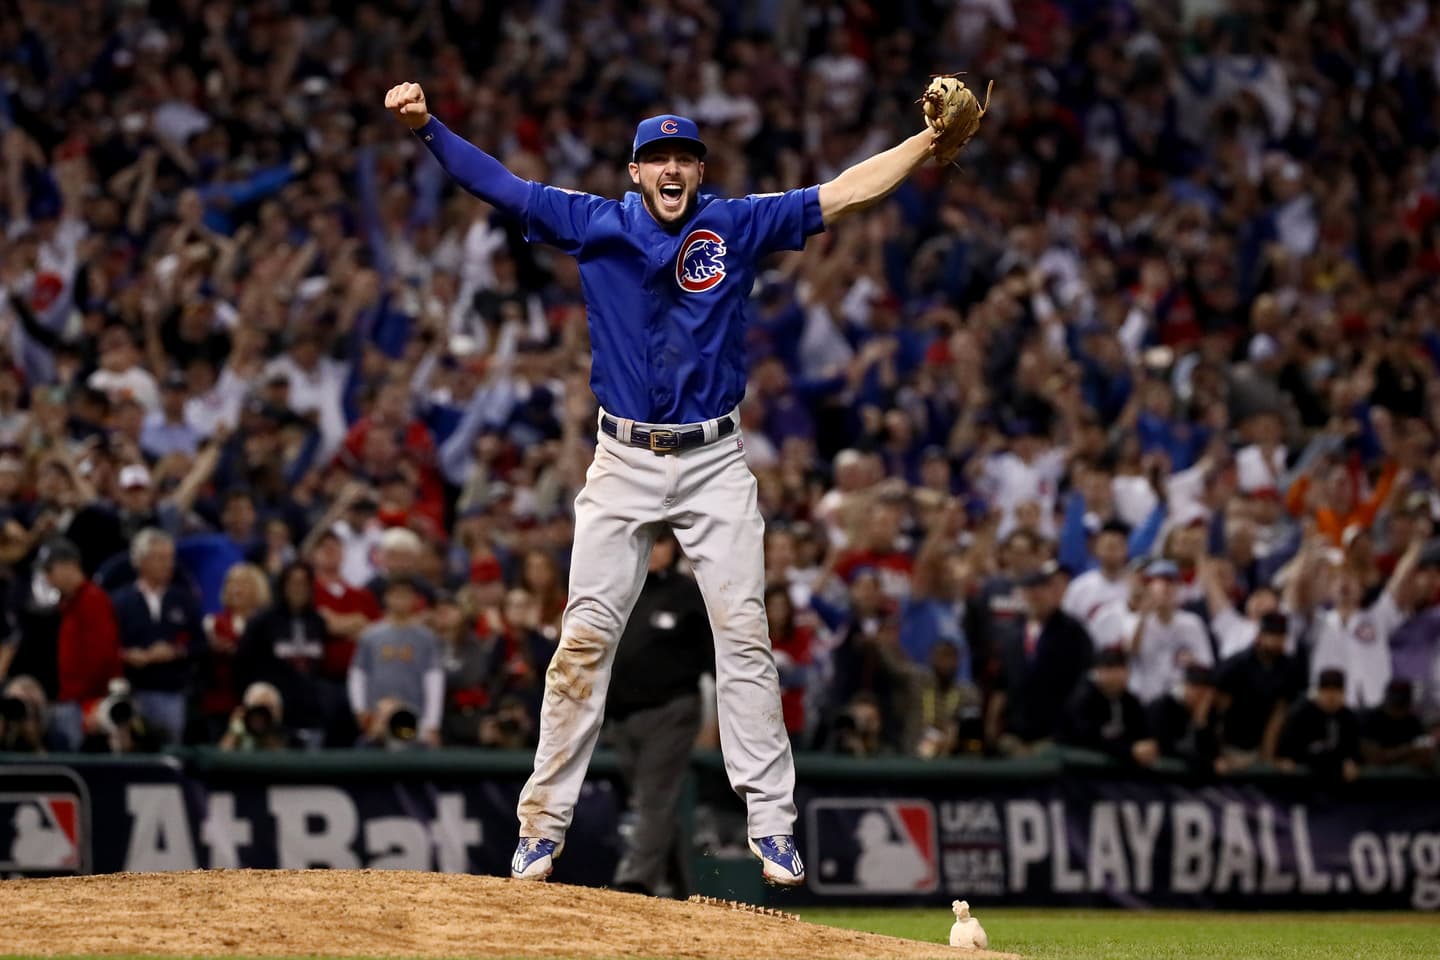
<point>1143,935</point>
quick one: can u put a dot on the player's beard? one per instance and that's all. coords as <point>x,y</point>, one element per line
<point>664,217</point>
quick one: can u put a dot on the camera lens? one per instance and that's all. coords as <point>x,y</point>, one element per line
<point>404,724</point>
<point>121,713</point>
<point>259,721</point>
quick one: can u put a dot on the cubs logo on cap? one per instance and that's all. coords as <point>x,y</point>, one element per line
<point>669,127</point>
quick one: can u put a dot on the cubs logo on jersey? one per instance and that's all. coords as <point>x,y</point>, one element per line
<point>865,846</point>
<point>701,263</point>
<point>43,823</point>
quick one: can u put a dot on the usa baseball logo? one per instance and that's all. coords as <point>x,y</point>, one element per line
<point>870,846</point>
<point>669,127</point>
<point>701,264</point>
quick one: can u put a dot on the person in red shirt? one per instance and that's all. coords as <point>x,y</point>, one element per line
<point>88,644</point>
<point>245,593</point>
<point>346,610</point>
<point>877,547</point>
<point>391,434</point>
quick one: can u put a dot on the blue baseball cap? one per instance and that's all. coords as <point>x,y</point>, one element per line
<point>667,126</point>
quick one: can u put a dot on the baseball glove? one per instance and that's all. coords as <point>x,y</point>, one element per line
<point>952,112</point>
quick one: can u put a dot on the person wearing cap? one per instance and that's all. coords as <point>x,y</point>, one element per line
<point>88,645</point>
<point>667,274</point>
<point>1040,665</point>
<point>1391,735</point>
<point>165,430</point>
<point>1355,638</point>
<point>1102,715</point>
<point>1234,632</point>
<point>1255,688</point>
<point>1108,582</point>
<point>398,659</point>
<point>1186,723</point>
<point>1321,733</point>
<point>1167,639</point>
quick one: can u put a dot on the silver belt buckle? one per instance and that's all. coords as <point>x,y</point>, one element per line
<point>664,441</point>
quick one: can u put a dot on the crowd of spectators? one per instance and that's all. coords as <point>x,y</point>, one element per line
<point>1125,433</point>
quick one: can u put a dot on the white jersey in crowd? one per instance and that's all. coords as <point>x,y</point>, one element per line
<point>360,547</point>
<point>1091,592</point>
<point>320,390</point>
<point>1256,472</point>
<point>1359,645</point>
<point>1011,482</point>
<point>1166,649</point>
<point>1113,625</point>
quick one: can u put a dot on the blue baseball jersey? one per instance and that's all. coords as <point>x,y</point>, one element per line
<point>667,311</point>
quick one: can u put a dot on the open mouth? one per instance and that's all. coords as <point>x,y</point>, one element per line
<point>672,195</point>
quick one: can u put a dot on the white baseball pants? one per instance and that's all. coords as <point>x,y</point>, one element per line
<point>707,495</point>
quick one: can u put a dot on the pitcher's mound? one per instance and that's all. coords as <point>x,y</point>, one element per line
<point>375,913</point>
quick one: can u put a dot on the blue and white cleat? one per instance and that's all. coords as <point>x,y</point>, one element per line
<point>779,860</point>
<point>534,858</point>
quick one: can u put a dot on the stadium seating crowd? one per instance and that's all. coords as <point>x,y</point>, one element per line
<point>1121,434</point>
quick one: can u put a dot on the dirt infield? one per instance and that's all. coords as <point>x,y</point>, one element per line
<point>372,913</point>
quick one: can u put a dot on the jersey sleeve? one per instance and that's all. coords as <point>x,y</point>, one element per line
<point>559,217</point>
<point>783,221</point>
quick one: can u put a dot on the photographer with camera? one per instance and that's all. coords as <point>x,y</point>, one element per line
<point>511,726</point>
<point>285,646</point>
<point>23,712</point>
<point>258,723</point>
<point>398,659</point>
<point>161,636</point>
<point>118,725</point>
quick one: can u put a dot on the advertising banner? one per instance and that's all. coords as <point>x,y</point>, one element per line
<point>1125,843</point>
<point>147,815</point>
<point>1098,839</point>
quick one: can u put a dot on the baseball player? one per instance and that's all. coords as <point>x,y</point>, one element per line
<point>666,273</point>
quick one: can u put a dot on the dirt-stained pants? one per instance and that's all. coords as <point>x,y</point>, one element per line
<point>707,495</point>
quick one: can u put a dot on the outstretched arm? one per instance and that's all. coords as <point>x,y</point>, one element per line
<point>872,180</point>
<point>471,167</point>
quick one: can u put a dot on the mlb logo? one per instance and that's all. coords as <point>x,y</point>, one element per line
<point>44,823</point>
<point>873,846</point>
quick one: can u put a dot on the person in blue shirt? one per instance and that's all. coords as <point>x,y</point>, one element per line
<point>666,274</point>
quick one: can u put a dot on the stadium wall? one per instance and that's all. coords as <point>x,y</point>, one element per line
<point>1066,829</point>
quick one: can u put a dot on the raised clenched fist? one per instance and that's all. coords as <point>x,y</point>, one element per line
<point>407,101</point>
